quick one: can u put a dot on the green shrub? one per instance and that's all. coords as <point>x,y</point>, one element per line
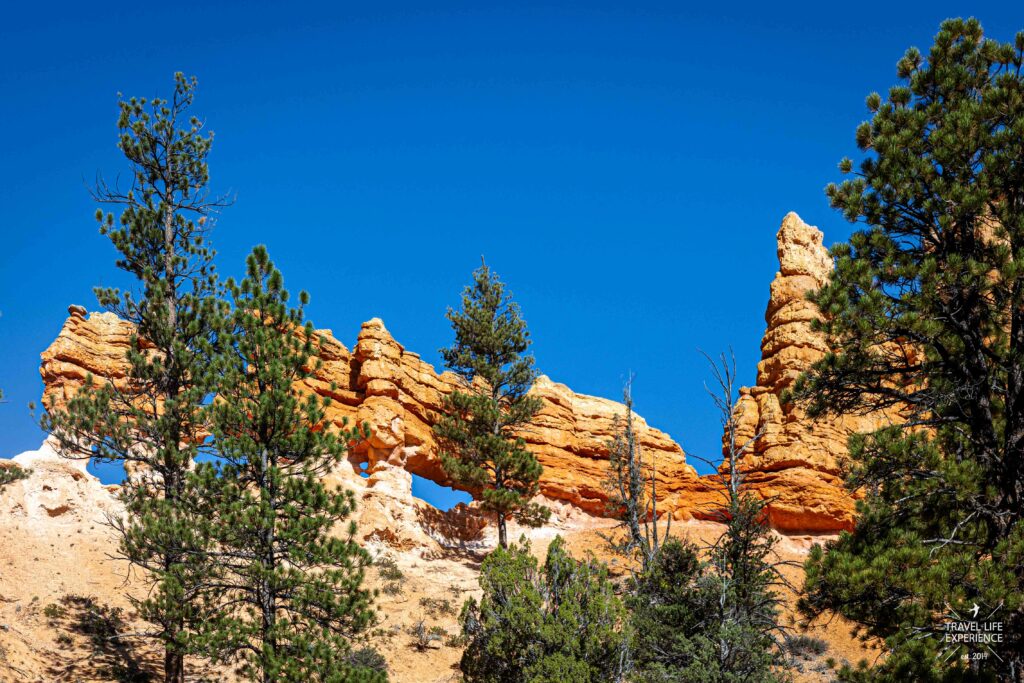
<point>368,658</point>
<point>388,569</point>
<point>456,640</point>
<point>690,623</point>
<point>806,646</point>
<point>53,611</point>
<point>561,622</point>
<point>437,606</point>
<point>11,473</point>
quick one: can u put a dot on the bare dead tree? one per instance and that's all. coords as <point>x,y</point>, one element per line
<point>712,611</point>
<point>633,491</point>
<point>743,558</point>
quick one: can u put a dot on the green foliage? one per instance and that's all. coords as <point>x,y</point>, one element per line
<point>806,646</point>
<point>388,569</point>
<point>716,619</point>
<point>481,450</point>
<point>457,639</point>
<point>389,572</point>
<point>561,623</point>
<point>367,658</point>
<point>668,611</point>
<point>927,308</point>
<point>393,587</point>
<point>54,611</point>
<point>438,606</point>
<point>712,621</point>
<point>292,593</point>
<point>11,473</point>
<point>153,422</point>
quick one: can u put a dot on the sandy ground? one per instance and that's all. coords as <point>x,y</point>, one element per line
<point>62,595</point>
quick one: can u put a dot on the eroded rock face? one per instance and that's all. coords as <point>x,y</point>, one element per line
<point>88,344</point>
<point>400,397</point>
<point>796,462</point>
<point>56,491</point>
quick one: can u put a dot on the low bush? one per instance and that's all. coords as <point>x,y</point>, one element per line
<point>368,658</point>
<point>11,473</point>
<point>806,646</point>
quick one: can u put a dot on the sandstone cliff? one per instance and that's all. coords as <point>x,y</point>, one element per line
<point>795,465</point>
<point>797,461</point>
<point>399,395</point>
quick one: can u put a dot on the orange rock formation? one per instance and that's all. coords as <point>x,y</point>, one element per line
<point>399,396</point>
<point>795,465</point>
<point>796,462</point>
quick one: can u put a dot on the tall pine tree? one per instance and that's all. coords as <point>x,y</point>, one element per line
<point>152,423</point>
<point>482,451</point>
<point>292,595</point>
<point>926,311</point>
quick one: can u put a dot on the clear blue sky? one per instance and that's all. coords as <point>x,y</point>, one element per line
<point>624,167</point>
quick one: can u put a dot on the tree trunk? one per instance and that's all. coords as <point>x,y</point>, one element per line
<point>174,667</point>
<point>268,606</point>
<point>174,662</point>
<point>499,479</point>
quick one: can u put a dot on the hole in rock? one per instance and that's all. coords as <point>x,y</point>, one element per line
<point>106,472</point>
<point>441,497</point>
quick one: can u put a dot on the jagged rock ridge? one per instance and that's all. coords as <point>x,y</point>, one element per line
<point>400,396</point>
<point>795,465</point>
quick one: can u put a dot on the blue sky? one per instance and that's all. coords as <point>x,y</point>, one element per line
<point>624,167</point>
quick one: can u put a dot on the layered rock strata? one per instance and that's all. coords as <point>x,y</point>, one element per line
<point>796,462</point>
<point>400,397</point>
<point>795,465</point>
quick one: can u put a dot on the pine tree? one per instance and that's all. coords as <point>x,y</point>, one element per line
<point>152,422</point>
<point>926,311</point>
<point>715,619</point>
<point>478,431</point>
<point>292,595</point>
<point>561,623</point>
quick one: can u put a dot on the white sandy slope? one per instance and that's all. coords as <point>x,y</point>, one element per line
<point>55,542</point>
